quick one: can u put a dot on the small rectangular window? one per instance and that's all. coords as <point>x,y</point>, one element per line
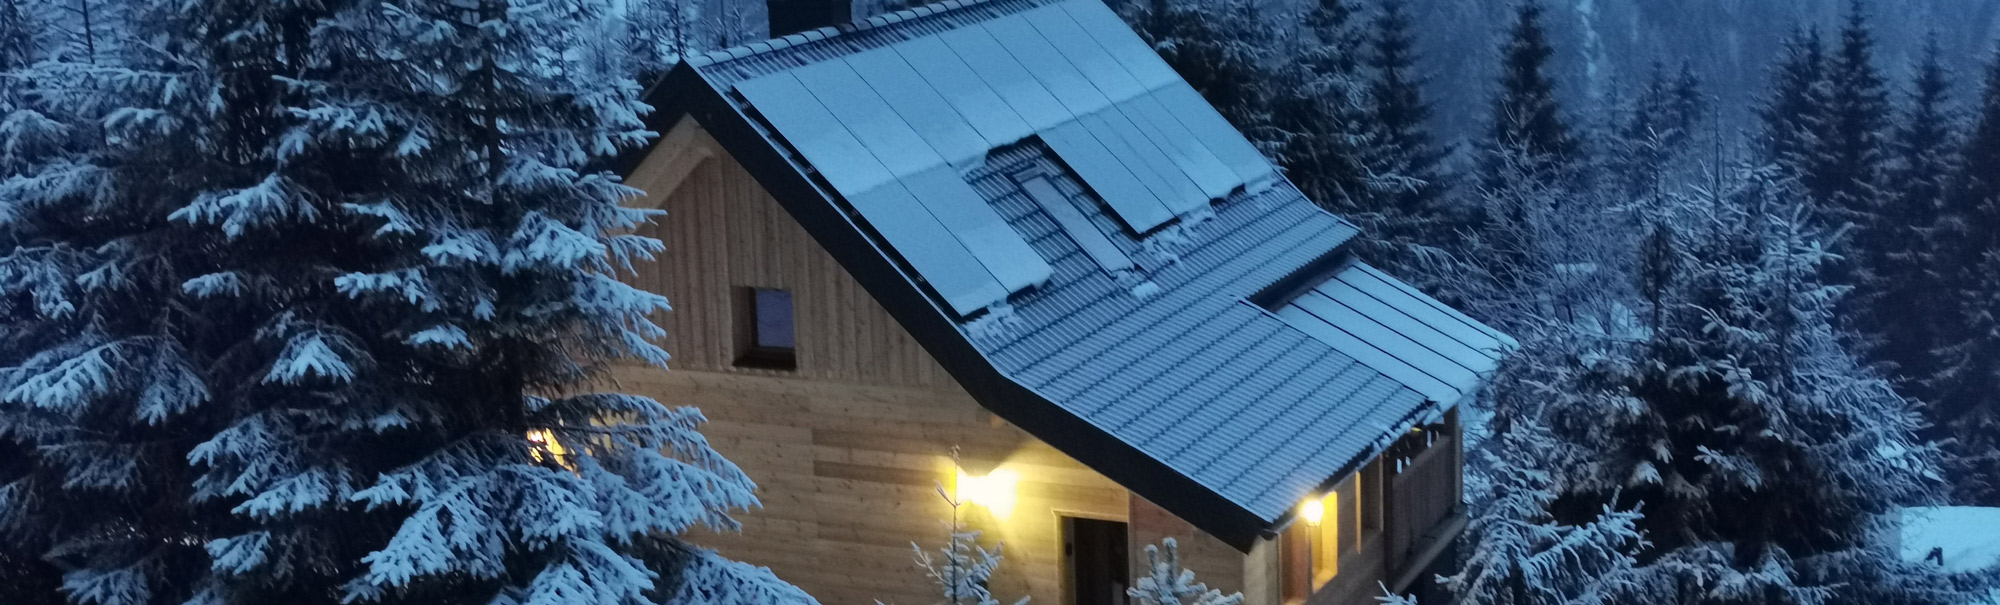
<point>765,335</point>
<point>1310,555</point>
<point>1326,544</point>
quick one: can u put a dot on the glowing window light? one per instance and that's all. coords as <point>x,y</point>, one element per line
<point>995,491</point>
<point>544,446</point>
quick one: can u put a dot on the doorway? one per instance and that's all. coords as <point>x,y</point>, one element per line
<point>1095,561</point>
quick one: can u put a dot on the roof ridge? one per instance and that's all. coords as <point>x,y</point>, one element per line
<point>788,41</point>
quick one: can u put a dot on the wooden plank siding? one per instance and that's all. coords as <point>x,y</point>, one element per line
<point>724,233</point>
<point>848,475</point>
<point>848,450</point>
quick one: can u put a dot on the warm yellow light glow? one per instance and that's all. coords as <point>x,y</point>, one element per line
<point>546,446</point>
<point>1312,511</point>
<point>995,491</point>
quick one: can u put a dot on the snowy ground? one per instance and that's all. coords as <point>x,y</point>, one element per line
<point>1970,536</point>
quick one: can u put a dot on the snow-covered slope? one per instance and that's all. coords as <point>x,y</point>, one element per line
<point>1968,535</point>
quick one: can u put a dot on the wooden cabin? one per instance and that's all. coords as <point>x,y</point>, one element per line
<point>1005,229</point>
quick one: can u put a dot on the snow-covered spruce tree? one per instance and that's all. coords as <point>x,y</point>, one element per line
<point>1526,165</point>
<point>1904,301</point>
<point>1762,454</point>
<point>1403,144</point>
<point>1321,117</point>
<point>1968,396</point>
<point>1848,180</point>
<point>1794,113</point>
<point>25,134</point>
<point>286,336</point>
<point>1541,251</point>
<point>1411,181</point>
<point>1652,133</point>
<point>657,33</point>
<point>1167,583</point>
<point>1517,553</point>
<point>1223,49</point>
<point>26,139</point>
<point>1527,123</point>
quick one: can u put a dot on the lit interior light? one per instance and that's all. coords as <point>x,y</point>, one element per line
<point>995,491</point>
<point>545,446</point>
<point>1313,510</point>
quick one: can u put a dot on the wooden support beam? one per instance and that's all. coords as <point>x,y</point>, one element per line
<point>683,149</point>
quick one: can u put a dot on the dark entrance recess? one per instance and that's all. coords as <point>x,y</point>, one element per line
<point>1096,562</point>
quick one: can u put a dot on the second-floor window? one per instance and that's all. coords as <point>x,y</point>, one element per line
<point>765,334</point>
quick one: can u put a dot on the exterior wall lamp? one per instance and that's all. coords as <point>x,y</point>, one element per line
<point>995,490</point>
<point>1313,510</point>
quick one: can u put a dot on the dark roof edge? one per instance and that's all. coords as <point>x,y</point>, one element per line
<point>1354,464</point>
<point>885,19</point>
<point>685,92</point>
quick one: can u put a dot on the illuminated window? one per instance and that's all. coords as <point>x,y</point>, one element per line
<point>1327,527</point>
<point>1326,542</point>
<point>1311,547</point>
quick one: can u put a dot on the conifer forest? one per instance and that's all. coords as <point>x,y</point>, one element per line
<point>266,265</point>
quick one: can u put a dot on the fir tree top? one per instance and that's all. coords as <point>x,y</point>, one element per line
<point>1526,118</point>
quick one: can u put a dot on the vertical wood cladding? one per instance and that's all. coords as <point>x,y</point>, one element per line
<point>724,232</point>
<point>850,449</point>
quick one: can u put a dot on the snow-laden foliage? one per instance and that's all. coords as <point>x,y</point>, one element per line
<point>710,579</point>
<point>1903,297</point>
<point>1527,123</point>
<point>1223,48</point>
<point>1321,115</point>
<point>1167,583</point>
<point>1519,553</point>
<point>962,568</point>
<point>1719,444</point>
<point>285,290</point>
<point>1969,367</point>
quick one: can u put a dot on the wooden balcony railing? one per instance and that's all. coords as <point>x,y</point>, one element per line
<point>1420,502</point>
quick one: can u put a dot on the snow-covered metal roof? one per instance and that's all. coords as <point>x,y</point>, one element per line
<point>1398,331</point>
<point>1090,249</point>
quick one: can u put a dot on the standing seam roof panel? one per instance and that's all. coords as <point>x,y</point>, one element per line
<point>1385,287</point>
<point>1397,345</point>
<point>1463,354</point>
<point>1367,353</point>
